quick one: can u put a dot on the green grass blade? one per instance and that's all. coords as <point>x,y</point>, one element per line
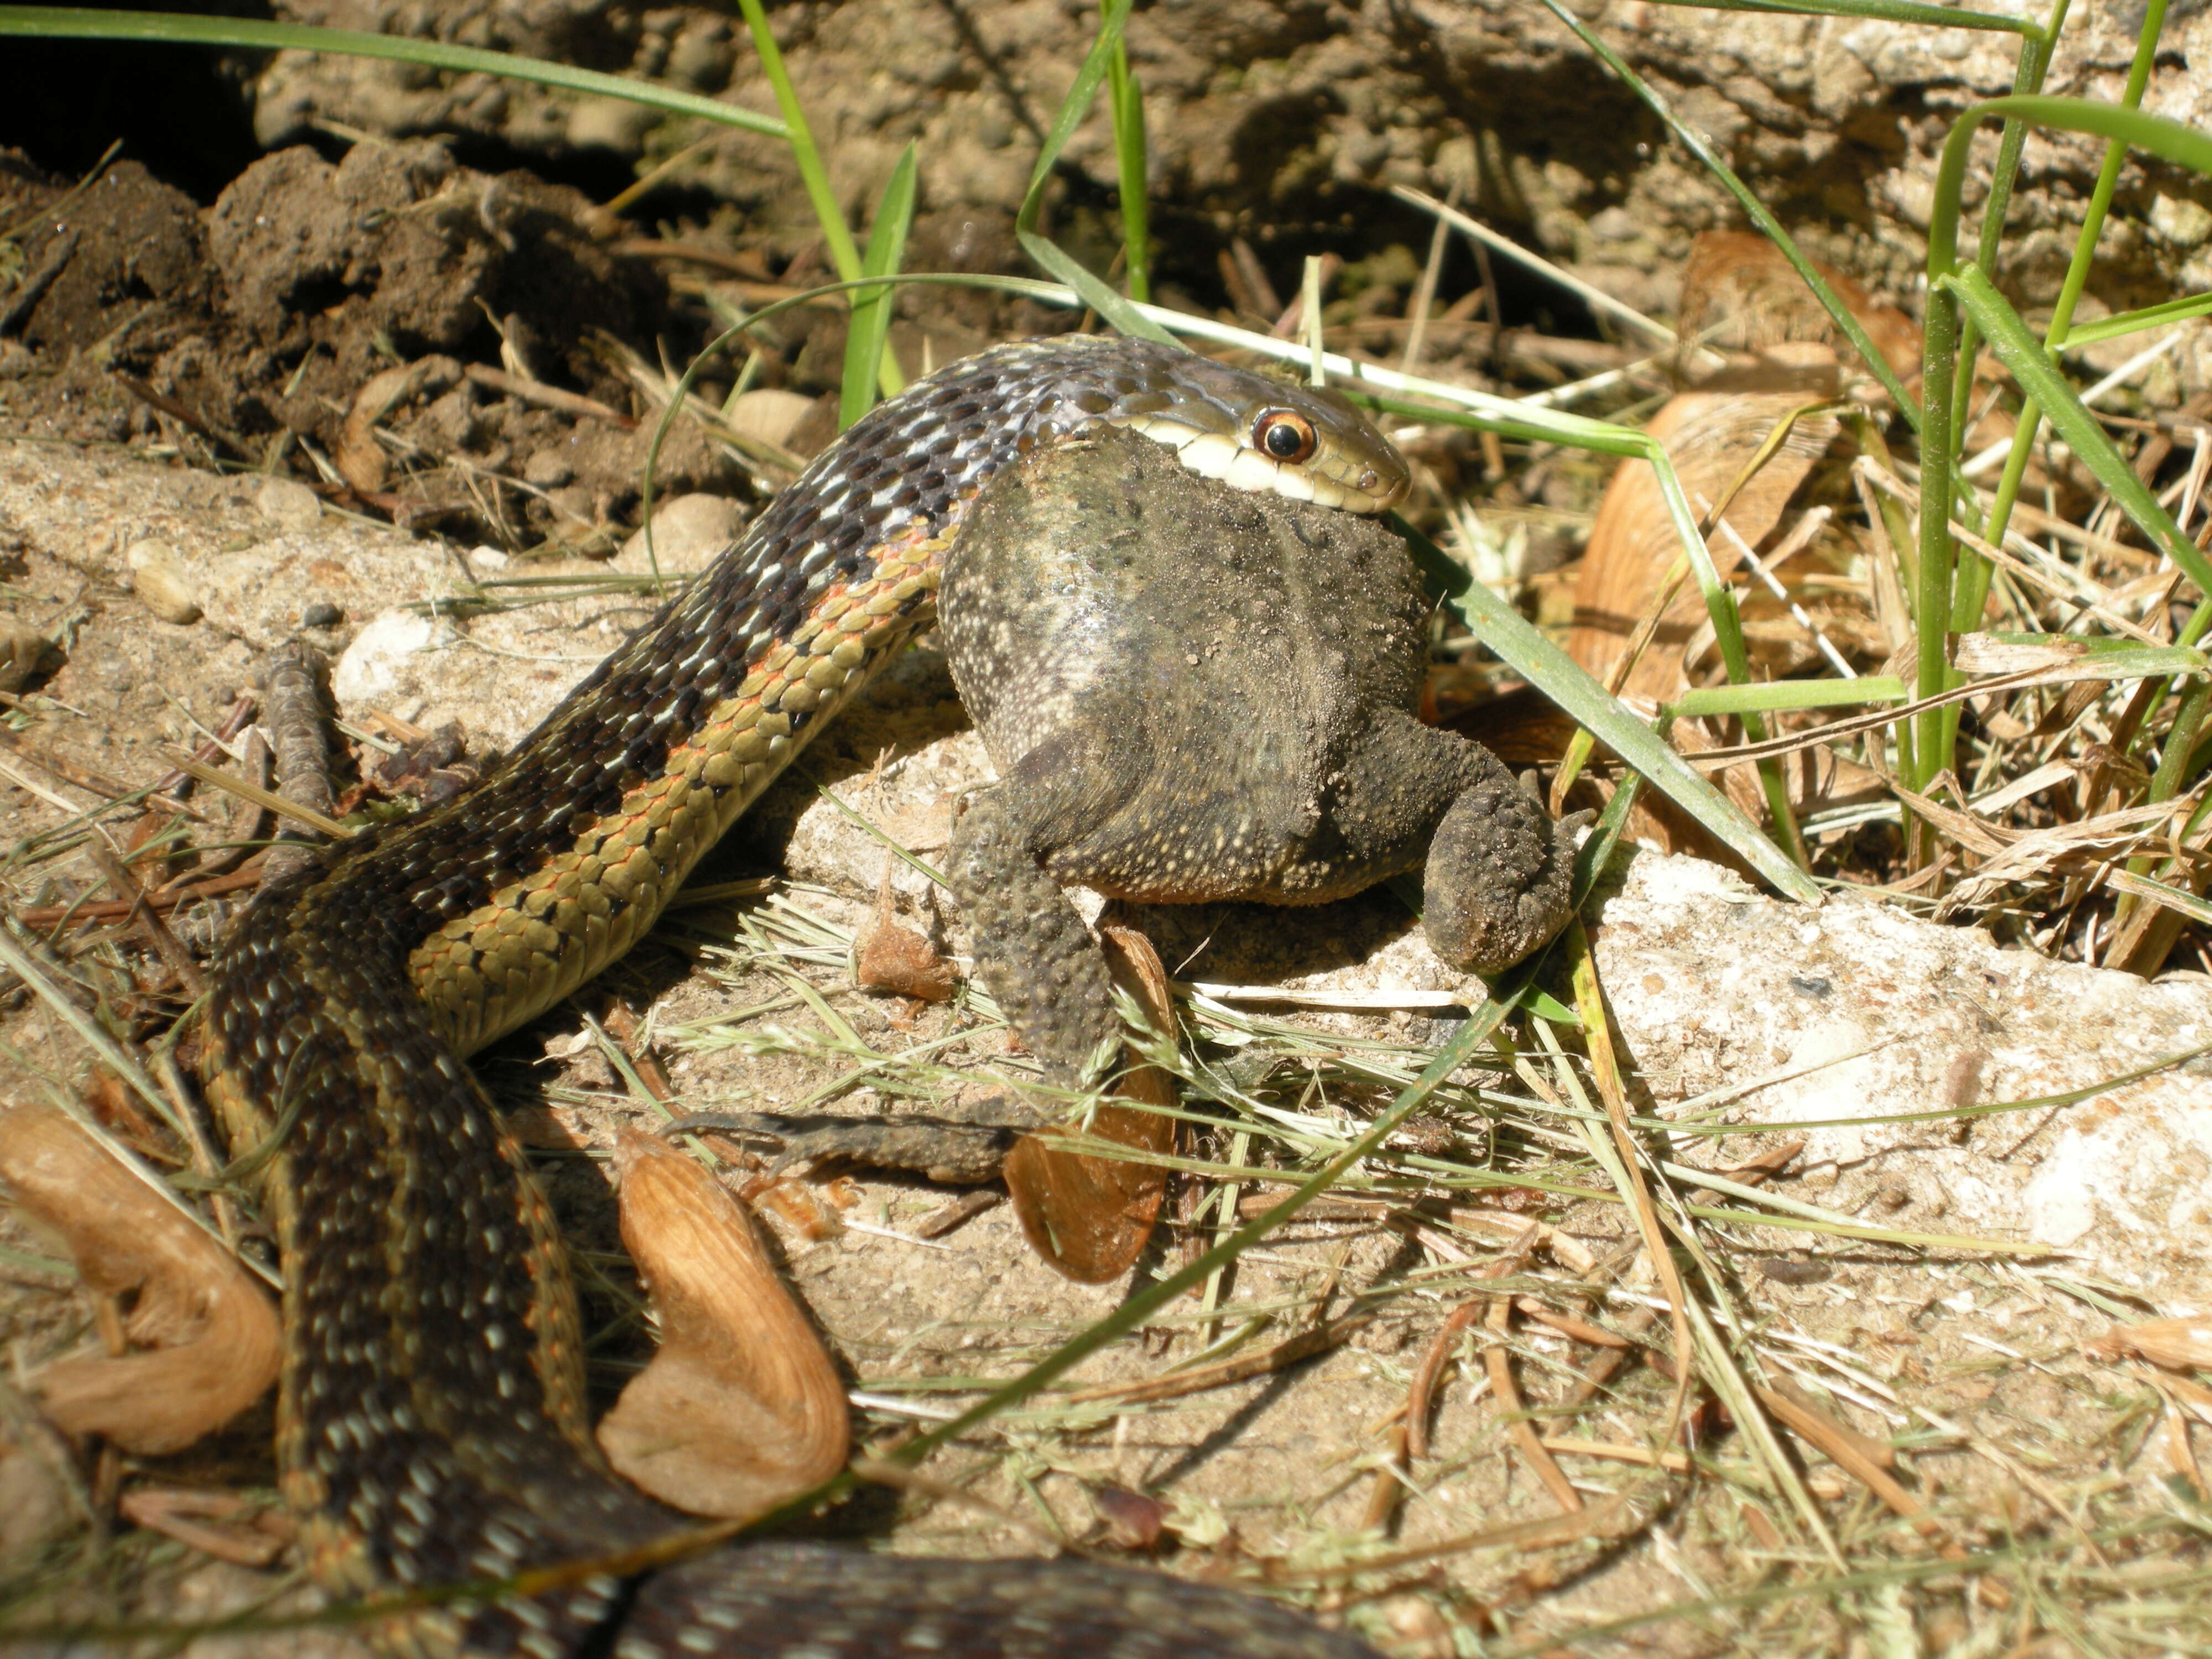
<point>1769,225</point>
<point>1122,313</point>
<point>868,334</point>
<point>1127,100</point>
<point>2021,353</point>
<point>1886,11</point>
<point>2184,146</point>
<point>2133,322</point>
<point>71,23</point>
<point>1559,677</point>
<point>2174,898</point>
<point>844,256</point>
<point>2027,77</point>
<point>2129,658</point>
<point>1970,595</point>
<point>1779,695</point>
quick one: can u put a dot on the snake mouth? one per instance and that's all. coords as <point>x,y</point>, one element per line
<point>1218,456</point>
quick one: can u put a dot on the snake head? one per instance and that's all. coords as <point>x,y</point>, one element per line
<point>1255,432</point>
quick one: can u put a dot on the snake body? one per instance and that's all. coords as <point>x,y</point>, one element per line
<point>433,1425</point>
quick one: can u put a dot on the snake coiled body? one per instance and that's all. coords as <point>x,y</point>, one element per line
<point>433,1425</point>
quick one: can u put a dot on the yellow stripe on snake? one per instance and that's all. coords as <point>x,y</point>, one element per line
<point>433,1423</point>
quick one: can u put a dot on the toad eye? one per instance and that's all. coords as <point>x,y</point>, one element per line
<point>1284,434</point>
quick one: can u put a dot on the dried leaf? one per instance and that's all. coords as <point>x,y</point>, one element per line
<point>358,455</point>
<point>1089,1217</point>
<point>1711,435</point>
<point>211,1338</point>
<point>890,958</point>
<point>1739,294</point>
<point>741,1408</point>
<point>2176,1344</point>
<point>1738,290</point>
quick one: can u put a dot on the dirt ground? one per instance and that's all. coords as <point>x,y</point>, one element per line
<point>305,390</point>
<point>2038,1459</point>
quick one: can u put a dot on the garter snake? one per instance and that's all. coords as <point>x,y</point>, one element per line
<point>432,1421</point>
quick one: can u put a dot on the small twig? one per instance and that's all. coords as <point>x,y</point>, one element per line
<point>1848,1450</point>
<point>943,1219</point>
<point>547,397</point>
<point>1281,1356</point>
<point>276,803</point>
<point>204,1161</point>
<point>177,411</point>
<point>292,713</point>
<point>165,944</point>
<point>1423,1385</point>
<point>249,824</point>
<point>1499,1361</point>
<point>1674,1462</point>
<point>213,746</point>
<point>168,898</point>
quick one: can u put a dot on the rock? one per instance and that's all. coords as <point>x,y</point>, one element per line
<point>24,653</point>
<point>288,504</point>
<point>158,578</point>
<point>321,614</point>
<point>1860,1012</point>
<point>770,414</point>
<point>376,664</point>
<point>614,124</point>
<point>688,533</point>
<point>547,469</point>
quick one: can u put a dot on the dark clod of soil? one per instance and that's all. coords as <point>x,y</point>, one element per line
<point>238,331</point>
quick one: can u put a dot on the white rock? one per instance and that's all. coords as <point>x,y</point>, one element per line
<point>158,578</point>
<point>1860,1012</point>
<point>378,662</point>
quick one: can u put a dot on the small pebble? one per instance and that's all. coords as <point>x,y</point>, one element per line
<point>614,124</point>
<point>288,503</point>
<point>687,533</point>
<point>321,614</point>
<point>770,414</point>
<point>157,577</point>
<point>547,469</point>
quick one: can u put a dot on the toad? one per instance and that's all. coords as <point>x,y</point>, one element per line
<point>1195,694</point>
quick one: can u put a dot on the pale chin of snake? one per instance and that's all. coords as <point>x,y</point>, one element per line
<point>432,1422</point>
<point>1217,455</point>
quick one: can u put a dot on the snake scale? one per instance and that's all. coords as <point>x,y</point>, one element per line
<point>433,1423</point>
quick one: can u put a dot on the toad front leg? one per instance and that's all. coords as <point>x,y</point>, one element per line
<point>1498,879</point>
<point>1031,948</point>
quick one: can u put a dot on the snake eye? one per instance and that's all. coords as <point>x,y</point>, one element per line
<point>1284,434</point>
